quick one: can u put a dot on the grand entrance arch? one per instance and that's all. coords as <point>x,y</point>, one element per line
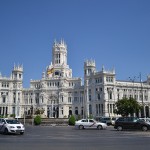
<point>52,111</point>
<point>53,106</point>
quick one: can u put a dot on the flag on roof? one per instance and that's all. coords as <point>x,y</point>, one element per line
<point>49,71</point>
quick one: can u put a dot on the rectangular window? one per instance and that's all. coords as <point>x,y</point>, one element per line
<point>96,109</point>
<point>4,99</point>
<point>14,100</point>
<point>76,99</point>
<point>110,95</point>
<point>146,98</point>
<point>89,97</point>
<point>98,96</point>
<point>31,100</point>
<point>13,110</point>
<point>62,111</point>
<point>141,97</point>
<point>37,100</point>
<point>69,99</point>
<point>89,91</point>
<point>109,79</point>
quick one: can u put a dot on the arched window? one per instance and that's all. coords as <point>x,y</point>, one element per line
<point>76,110</point>
<point>62,111</point>
<point>57,73</point>
<point>81,110</point>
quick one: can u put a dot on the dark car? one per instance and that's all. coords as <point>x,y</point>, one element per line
<point>131,123</point>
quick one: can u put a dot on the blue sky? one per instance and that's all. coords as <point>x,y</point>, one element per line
<point>114,33</point>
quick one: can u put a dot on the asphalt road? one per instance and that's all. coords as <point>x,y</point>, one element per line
<point>69,138</point>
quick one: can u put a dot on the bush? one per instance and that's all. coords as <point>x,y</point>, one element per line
<point>72,120</point>
<point>1,116</point>
<point>90,116</point>
<point>12,115</point>
<point>37,120</point>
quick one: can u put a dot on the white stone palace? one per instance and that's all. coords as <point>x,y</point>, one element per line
<point>60,95</point>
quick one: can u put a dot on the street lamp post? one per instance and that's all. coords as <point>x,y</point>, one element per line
<point>109,101</point>
<point>52,102</point>
<point>133,80</point>
<point>24,117</point>
<point>49,112</point>
<point>32,113</point>
<point>82,109</point>
<point>87,99</point>
<point>25,113</point>
<point>141,93</point>
<point>109,90</point>
<point>143,109</point>
<point>52,109</point>
<point>17,109</point>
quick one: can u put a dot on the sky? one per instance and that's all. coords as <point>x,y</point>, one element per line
<point>114,33</point>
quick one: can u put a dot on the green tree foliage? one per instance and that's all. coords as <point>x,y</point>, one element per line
<point>72,120</point>
<point>127,106</point>
<point>37,120</point>
<point>1,116</point>
<point>39,111</point>
<point>12,115</point>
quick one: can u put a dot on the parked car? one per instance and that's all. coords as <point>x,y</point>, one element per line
<point>90,123</point>
<point>106,120</point>
<point>11,126</point>
<point>113,120</point>
<point>147,120</point>
<point>131,123</point>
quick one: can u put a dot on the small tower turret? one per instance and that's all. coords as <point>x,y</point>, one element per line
<point>17,73</point>
<point>89,67</point>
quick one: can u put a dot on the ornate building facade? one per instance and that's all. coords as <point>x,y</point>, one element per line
<point>61,95</point>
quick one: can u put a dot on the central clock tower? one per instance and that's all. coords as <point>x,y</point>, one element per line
<point>59,66</point>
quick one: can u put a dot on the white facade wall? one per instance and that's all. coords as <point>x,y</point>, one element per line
<point>11,93</point>
<point>60,95</point>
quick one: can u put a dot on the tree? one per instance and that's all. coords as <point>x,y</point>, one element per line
<point>39,111</point>
<point>127,106</point>
<point>72,120</point>
<point>90,116</point>
<point>37,120</point>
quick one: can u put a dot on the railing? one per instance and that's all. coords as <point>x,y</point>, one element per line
<point>48,121</point>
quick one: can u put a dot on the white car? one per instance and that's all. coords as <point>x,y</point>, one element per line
<point>113,120</point>
<point>11,126</point>
<point>90,123</point>
<point>147,120</point>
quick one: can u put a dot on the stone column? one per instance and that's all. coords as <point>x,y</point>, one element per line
<point>4,111</point>
<point>149,111</point>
